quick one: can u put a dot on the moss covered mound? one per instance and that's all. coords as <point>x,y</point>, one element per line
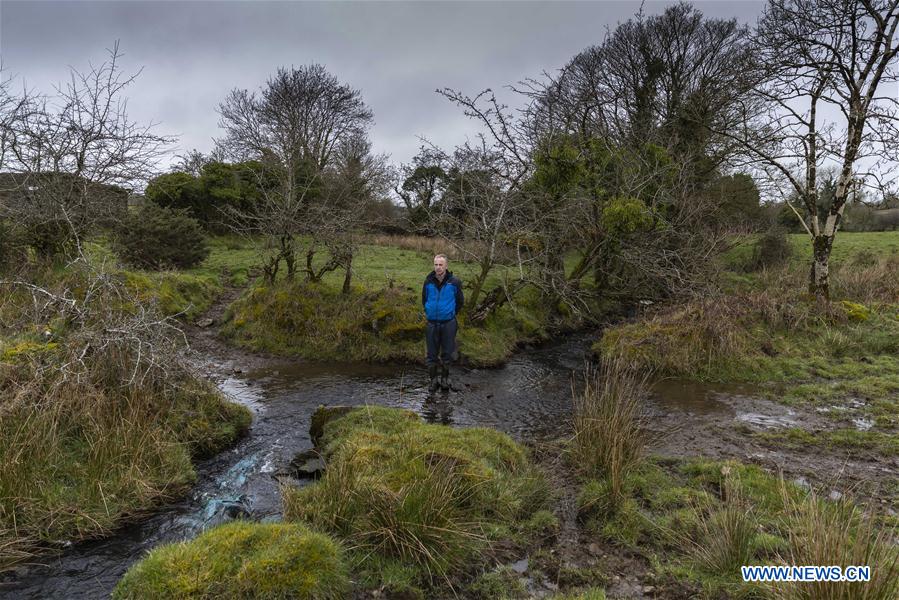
<point>175,292</point>
<point>425,498</point>
<point>242,560</point>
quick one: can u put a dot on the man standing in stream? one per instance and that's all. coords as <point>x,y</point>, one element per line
<point>441,296</point>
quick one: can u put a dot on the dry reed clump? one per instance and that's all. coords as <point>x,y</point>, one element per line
<point>681,340</point>
<point>712,336</point>
<point>610,434</point>
<point>822,532</point>
<point>871,282</point>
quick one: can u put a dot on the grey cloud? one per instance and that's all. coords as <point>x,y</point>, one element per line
<point>396,53</point>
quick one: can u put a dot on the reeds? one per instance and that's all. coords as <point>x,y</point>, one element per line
<point>824,532</point>
<point>610,434</point>
<point>724,533</point>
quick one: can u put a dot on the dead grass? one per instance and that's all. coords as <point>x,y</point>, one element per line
<point>838,533</point>
<point>765,328</point>
<point>610,435</point>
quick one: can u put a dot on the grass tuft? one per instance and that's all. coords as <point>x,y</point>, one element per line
<point>822,532</point>
<point>428,496</point>
<point>610,435</point>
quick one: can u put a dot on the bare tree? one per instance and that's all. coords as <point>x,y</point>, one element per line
<point>274,222</point>
<point>482,217</point>
<point>823,104</point>
<point>356,179</point>
<point>483,210</point>
<point>294,125</point>
<point>71,159</point>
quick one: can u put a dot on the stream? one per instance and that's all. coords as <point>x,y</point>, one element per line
<point>529,398</point>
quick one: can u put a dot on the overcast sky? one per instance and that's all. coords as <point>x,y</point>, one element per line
<point>396,53</point>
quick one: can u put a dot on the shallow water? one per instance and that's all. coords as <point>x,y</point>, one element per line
<point>529,398</point>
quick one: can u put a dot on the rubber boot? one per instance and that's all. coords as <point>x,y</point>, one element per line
<point>432,375</point>
<point>444,378</point>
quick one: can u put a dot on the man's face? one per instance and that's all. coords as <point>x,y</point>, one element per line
<point>439,266</point>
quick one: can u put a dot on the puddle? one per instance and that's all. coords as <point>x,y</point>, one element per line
<point>768,421</point>
<point>863,424</point>
<point>699,398</point>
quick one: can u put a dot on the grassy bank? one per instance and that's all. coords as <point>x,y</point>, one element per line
<point>100,421</point>
<point>762,328</point>
<point>381,319</point>
<point>318,322</point>
<point>411,510</point>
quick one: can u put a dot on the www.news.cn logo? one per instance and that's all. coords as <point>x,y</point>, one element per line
<point>807,573</point>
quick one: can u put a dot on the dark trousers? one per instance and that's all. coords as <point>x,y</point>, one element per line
<point>441,338</point>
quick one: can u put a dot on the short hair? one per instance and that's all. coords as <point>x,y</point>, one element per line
<point>443,256</point>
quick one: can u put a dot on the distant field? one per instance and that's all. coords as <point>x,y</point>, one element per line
<point>374,266</point>
<point>845,246</point>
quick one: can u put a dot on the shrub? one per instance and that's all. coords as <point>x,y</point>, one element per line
<point>242,560</point>
<point>773,249</point>
<point>48,238</point>
<point>155,237</point>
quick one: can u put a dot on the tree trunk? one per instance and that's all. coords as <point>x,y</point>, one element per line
<point>347,279</point>
<point>290,258</point>
<point>478,285</point>
<point>310,272</point>
<point>587,260</point>
<point>819,282</point>
<point>494,299</point>
<point>270,268</point>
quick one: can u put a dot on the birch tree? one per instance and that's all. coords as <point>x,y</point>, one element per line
<point>829,100</point>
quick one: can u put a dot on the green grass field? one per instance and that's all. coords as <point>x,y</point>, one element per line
<point>847,246</point>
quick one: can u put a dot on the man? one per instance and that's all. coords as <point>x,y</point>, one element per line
<point>441,296</point>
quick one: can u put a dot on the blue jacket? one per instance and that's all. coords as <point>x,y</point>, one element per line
<point>442,301</point>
